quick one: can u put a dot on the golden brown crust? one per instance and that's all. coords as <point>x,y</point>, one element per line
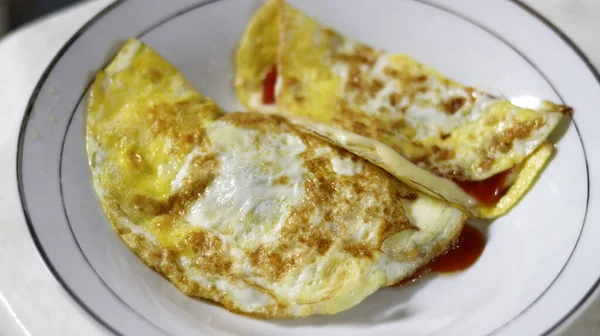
<point>207,249</point>
<point>165,263</point>
<point>454,104</point>
<point>503,141</point>
<point>202,172</point>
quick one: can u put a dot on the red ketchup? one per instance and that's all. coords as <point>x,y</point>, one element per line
<point>461,256</point>
<point>269,86</point>
<point>488,191</point>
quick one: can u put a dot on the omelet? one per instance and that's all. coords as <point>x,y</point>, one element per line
<point>246,209</point>
<point>477,149</point>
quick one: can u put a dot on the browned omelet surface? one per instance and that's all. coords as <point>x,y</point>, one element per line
<point>394,104</point>
<point>245,209</point>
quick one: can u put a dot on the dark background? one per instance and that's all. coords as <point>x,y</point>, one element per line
<point>20,12</point>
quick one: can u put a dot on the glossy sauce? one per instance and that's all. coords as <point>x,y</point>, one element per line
<point>462,255</point>
<point>488,191</point>
<point>268,96</point>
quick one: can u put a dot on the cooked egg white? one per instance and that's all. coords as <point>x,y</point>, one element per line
<point>244,209</point>
<point>454,132</point>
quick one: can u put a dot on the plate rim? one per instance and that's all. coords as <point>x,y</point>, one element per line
<point>594,291</point>
<point>19,158</point>
<point>576,310</point>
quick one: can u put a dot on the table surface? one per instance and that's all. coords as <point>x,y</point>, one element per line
<point>31,301</point>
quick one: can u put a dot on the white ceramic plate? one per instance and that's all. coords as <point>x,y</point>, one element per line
<point>540,265</point>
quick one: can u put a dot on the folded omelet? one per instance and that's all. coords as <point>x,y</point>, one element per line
<point>245,209</point>
<point>477,149</point>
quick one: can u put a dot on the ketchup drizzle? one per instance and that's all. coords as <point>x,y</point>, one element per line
<point>268,96</point>
<point>462,255</point>
<point>488,191</point>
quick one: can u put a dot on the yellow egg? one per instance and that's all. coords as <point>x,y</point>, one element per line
<point>245,209</point>
<point>391,104</point>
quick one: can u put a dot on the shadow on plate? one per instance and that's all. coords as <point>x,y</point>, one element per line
<point>387,304</point>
